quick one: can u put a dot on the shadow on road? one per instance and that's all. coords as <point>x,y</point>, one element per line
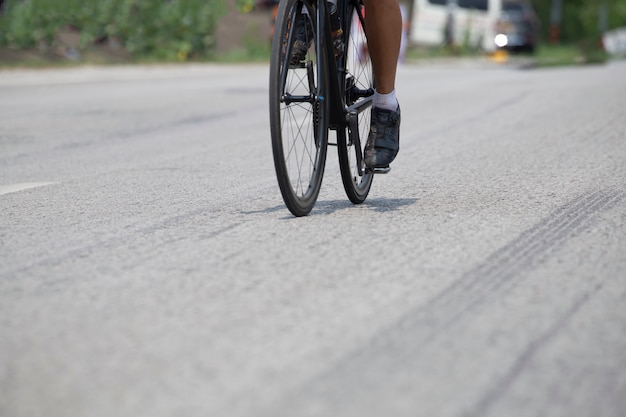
<point>381,205</point>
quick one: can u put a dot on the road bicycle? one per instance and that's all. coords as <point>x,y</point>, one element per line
<point>317,94</point>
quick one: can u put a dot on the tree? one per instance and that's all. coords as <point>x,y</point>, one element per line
<point>581,20</point>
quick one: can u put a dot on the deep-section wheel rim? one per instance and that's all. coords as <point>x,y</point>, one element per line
<point>297,113</point>
<point>359,77</point>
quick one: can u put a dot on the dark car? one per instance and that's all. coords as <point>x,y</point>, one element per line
<point>518,26</point>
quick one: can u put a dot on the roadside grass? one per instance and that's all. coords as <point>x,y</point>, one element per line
<point>36,58</point>
<point>259,50</point>
<point>568,55</point>
<point>426,53</point>
<point>12,59</point>
<point>251,50</point>
<point>546,55</point>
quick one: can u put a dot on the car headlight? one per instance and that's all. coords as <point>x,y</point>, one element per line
<point>501,40</point>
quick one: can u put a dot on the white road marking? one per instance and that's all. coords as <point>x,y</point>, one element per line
<point>13,188</point>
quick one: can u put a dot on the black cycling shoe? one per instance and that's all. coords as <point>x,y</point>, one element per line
<point>303,40</point>
<point>383,141</point>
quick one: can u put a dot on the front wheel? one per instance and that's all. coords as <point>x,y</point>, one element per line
<point>359,87</point>
<point>298,111</point>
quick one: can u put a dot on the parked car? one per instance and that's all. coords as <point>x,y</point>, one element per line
<point>517,28</point>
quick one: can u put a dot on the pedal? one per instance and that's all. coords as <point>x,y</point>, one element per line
<point>379,170</point>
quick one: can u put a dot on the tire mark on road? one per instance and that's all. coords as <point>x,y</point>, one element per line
<point>359,374</point>
<point>504,383</point>
<point>498,272</point>
<point>524,253</point>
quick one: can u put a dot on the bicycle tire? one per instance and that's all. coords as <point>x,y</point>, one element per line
<point>358,75</point>
<point>298,111</point>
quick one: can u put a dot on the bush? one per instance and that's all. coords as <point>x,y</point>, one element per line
<point>164,29</point>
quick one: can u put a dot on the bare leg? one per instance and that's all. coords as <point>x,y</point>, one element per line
<point>383,25</point>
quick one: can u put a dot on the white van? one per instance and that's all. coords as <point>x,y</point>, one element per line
<point>458,22</point>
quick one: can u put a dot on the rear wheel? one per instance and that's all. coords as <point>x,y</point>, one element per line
<point>298,112</point>
<point>358,94</point>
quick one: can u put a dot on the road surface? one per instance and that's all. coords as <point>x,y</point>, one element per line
<point>148,266</point>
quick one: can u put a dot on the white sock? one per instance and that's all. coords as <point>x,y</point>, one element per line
<point>385,101</point>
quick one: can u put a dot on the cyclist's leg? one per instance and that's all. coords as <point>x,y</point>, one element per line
<point>384,34</point>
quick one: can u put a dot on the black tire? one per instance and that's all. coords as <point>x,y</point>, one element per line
<point>299,127</point>
<point>359,77</point>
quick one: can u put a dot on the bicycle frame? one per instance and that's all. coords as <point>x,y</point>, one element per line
<point>341,116</point>
<point>338,115</point>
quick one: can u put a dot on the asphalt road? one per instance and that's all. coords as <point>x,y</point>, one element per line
<point>148,266</point>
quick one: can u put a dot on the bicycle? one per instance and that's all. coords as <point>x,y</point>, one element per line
<point>316,94</point>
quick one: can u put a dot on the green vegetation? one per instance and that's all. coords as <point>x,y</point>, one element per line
<point>434,52</point>
<point>170,30</point>
<point>562,55</point>
<point>581,20</point>
<point>103,31</point>
<point>578,37</point>
<point>252,50</point>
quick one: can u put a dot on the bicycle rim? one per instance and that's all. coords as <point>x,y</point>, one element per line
<point>298,115</point>
<point>359,77</point>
